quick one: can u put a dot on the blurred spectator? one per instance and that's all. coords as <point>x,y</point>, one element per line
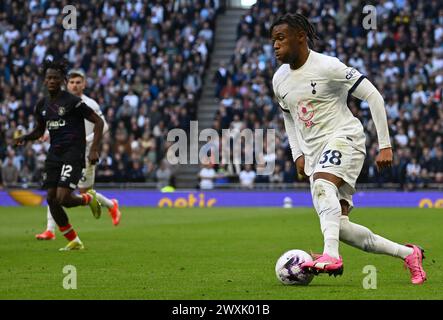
<point>247,177</point>
<point>163,175</point>
<point>207,175</point>
<point>10,172</point>
<point>277,175</point>
<point>144,64</point>
<point>412,174</point>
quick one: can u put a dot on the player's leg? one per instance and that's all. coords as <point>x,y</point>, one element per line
<point>87,182</point>
<point>332,166</point>
<point>363,238</point>
<point>324,189</point>
<point>68,183</point>
<point>62,220</point>
<point>51,177</point>
<point>49,233</point>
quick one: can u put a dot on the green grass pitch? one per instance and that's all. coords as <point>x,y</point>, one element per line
<point>215,253</point>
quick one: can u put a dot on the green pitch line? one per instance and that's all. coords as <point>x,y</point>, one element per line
<point>207,254</point>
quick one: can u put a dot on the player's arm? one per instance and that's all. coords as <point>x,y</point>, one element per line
<point>363,89</point>
<point>368,92</point>
<point>297,154</point>
<point>96,108</point>
<point>98,122</point>
<point>36,133</point>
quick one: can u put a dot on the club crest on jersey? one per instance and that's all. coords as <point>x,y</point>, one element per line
<point>44,113</point>
<point>61,111</point>
<point>305,111</point>
<point>313,84</point>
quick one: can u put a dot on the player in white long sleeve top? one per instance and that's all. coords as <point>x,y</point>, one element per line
<point>328,142</point>
<point>76,85</point>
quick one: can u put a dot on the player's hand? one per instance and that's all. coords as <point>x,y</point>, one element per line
<point>19,141</point>
<point>384,159</point>
<point>93,156</point>
<point>300,166</point>
<point>44,137</point>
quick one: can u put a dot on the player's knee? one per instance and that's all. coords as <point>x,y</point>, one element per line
<point>51,199</point>
<point>344,207</point>
<point>60,199</point>
<point>64,200</point>
<point>325,197</point>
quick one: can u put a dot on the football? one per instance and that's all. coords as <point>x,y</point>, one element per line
<point>288,269</point>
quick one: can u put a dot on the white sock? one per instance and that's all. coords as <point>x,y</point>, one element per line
<point>327,205</point>
<point>51,222</point>
<point>362,238</point>
<point>104,201</point>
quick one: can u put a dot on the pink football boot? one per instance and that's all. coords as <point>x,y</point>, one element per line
<point>324,264</point>
<point>414,262</point>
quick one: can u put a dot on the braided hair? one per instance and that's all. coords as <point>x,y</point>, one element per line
<point>297,21</point>
<point>61,66</point>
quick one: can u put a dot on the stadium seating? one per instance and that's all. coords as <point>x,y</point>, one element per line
<point>403,57</point>
<point>145,63</point>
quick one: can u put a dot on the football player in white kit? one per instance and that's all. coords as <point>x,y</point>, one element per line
<point>76,85</point>
<point>328,142</point>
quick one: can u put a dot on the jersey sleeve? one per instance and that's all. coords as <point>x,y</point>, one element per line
<point>343,75</point>
<point>84,109</point>
<point>289,124</point>
<point>38,109</point>
<point>95,106</point>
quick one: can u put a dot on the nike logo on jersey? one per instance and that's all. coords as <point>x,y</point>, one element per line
<point>284,96</point>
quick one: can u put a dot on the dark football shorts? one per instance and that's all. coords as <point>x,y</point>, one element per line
<point>63,171</point>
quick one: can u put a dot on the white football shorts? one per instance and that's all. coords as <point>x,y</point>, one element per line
<point>88,174</point>
<point>341,158</point>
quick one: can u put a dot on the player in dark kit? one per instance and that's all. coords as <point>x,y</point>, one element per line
<point>63,114</point>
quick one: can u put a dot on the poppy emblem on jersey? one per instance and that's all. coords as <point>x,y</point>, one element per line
<point>305,111</point>
<point>61,111</point>
<point>313,84</point>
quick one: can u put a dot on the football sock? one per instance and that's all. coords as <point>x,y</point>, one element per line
<point>51,222</point>
<point>362,238</point>
<point>68,232</point>
<point>104,201</point>
<point>327,205</point>
<point>86,198</point>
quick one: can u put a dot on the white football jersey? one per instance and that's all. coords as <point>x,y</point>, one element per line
<point>315,96</point>
<point>89,126</point>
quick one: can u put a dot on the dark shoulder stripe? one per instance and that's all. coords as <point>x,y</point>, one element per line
<point>362,77</point>
<point>284,110</point>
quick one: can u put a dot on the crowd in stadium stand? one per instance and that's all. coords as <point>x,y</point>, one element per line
<point>403,57</point>
<point>143,60</point>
